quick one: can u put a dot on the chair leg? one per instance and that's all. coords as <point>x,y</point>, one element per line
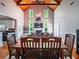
<point>9,56</point>
<point>65,57</point>
<point>22,57</point>
<point>70,57</point>
<point>17,56</point>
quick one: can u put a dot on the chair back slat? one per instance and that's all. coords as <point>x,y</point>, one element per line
<point>30,42</point>
<point>51,47</point>
<point>51,42</point>
<point>30,46</point>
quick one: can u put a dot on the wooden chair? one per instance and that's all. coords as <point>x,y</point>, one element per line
<point>30,47</point>
<point>10,42</point>
<point>51,47</point>
<point>69,42</point>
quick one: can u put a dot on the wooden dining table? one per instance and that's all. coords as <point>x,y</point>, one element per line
<point>17,46</point>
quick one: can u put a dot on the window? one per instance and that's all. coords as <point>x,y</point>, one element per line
<point>46,20</point>
<point>30,21</point>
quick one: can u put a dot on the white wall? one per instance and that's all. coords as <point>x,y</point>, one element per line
<point>12,10</point>
<point>67,16</point>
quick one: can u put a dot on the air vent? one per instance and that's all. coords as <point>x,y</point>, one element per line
<point>71,3</point>
<point>2,4</point>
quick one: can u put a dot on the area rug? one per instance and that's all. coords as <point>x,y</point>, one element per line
<point>7,57</point>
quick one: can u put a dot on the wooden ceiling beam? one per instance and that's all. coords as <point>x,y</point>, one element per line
<point>52,7</point>
<point>39,4</point>
<point>58,1</point>
<point>17,1</point>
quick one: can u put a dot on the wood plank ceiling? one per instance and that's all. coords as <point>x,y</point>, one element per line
<point>25,4</point>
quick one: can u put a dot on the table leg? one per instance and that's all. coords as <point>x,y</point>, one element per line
<point>17,55</point>
<point>62,53</point>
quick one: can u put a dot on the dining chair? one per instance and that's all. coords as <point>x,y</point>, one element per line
<point>51,47</point>
<point>10,42</point>
<point>30,47</point>
<point>69,42</point>
<point>45,34</point>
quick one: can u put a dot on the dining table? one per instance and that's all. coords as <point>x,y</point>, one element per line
<point>17,46</point>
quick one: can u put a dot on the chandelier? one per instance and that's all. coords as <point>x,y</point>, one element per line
<point>25,3</point>
<point>36,2</point>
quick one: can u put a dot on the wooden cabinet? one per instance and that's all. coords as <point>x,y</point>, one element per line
<point>5,33</point>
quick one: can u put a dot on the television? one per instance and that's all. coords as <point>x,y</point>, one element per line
<point>38,25</point>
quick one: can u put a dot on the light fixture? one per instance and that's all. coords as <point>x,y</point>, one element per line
<point>24,4</point>
<point>24,7</point>
<point>37,1</point>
